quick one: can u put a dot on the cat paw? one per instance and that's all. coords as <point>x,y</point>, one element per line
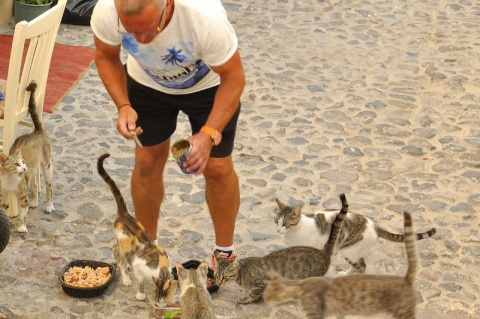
<point>140,296</point>
<point>244,301</point>
<point>127,282</point>
<point>49,207</point>
<point>22,229</point>
<point>33,203</point>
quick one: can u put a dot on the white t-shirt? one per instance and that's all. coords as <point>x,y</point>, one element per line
<point>177,60</point>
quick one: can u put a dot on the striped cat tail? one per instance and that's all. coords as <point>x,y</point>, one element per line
<point>121,206</point>
<point>410,249</point>
<point>399,238</point>
<point>336,226</point>
<point>32,107</point>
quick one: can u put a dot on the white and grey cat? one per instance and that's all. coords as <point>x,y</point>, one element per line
<point>364,295</point>
<point>358,236</point>
<point>296,262</point>
<point>36,149</point>
<point>12,180</point>
<point>135,249</point>
<point>195,299</point>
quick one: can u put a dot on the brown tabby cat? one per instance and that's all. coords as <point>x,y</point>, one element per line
<point>195,300</point>
<point>321,297</point>
<point>12,180</point>
<point>296,262</point>
<point>136,250</point>
<point>358,236</point>
<point>36,149</point>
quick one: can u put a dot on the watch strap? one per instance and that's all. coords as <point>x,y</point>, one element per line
<point>213,133</point>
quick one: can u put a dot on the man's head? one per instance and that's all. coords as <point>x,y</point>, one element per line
<point>143,19</point>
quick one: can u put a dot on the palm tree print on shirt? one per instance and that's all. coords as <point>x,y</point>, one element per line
<point>174,56</point>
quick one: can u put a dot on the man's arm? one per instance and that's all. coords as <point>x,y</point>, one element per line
<point>227,98</point>
<point>232,82</point>
<point>113,75</point>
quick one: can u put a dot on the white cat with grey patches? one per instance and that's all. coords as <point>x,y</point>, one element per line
<point>357,238</point>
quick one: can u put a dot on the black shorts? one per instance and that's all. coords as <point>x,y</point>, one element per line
<point>158,112</point>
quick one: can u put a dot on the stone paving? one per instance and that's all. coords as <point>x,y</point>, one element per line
<point>376,99</point>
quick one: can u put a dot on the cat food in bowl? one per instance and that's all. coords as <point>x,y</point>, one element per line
<point>168,310</point>
<point>86,278</point>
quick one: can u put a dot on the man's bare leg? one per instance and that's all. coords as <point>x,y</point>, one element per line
<point>222,194</point>
<point>147,184</point>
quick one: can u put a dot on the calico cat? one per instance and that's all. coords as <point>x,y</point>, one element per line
<point>321,297</point>
<point>36,149</point>
<point>357,238</point>
<point>296,262</point>
<point>12,180</point>
<point>195,299</point>
<point>135,250</point>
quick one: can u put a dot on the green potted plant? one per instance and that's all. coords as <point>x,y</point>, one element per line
<point>30,9</point>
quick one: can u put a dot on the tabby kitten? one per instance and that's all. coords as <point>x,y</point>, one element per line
<point>195,299</point>
<point>321,297</point>
<point>36,149</point>
<point>12,180</point>
<point>296,262</point>
<point>137,251</point>
<point>357,237</point>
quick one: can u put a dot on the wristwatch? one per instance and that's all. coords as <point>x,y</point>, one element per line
<point>214,134</point>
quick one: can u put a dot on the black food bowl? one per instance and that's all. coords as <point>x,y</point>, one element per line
<point>193,264</point>
<point>86,292</point>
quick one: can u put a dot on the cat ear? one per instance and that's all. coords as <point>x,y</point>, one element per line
<point>279,203</point>
<point>3,158</point>
<point>178,265</point>
<point>180,269</point>
<point>18,152</point>
<point>203,268</point>
<point>298,209</point>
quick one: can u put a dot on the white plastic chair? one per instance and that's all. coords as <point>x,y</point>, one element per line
<point>37,39</point>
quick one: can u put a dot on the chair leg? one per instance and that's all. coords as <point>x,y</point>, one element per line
<point>12,205</point>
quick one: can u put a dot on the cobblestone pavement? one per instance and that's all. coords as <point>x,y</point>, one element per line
<point>376,99</point>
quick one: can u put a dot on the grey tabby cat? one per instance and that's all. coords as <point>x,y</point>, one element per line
<point>195,299</point>
<point>357,237</point>
<point>321,297</point>
<point>12,180</point>
<point>36,149</point>
<point>296,262</point>
<point>136,250</point>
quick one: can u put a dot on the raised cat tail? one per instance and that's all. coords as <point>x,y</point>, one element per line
<point>121,206</point>
<point>410,249</point>
<point>336,226</point>
<point>399,238</point>
<point>32,107</point>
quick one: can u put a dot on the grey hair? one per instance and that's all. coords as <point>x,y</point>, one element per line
<point>131,7</point>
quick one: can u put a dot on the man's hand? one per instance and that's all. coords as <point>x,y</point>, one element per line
<point>126,122</point>
<point>198,157</point>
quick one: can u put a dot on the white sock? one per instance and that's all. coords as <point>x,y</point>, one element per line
<point>229,248</point>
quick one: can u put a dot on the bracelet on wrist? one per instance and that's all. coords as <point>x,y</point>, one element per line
<point>123,106</point>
